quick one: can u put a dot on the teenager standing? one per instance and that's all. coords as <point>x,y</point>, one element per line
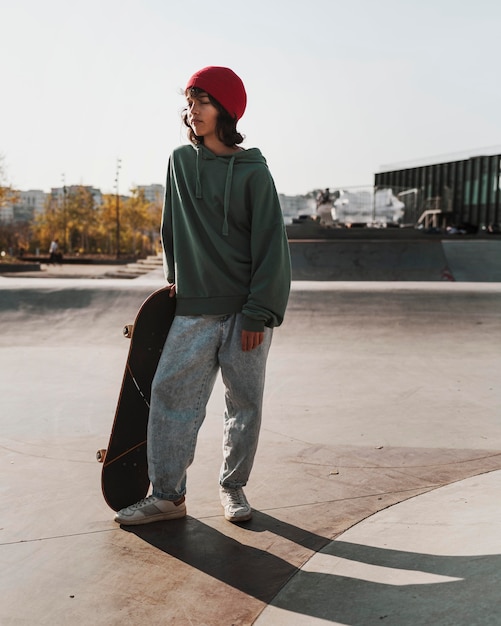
<point>226,259</point>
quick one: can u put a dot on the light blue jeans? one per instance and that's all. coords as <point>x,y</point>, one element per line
<point>196,348</point>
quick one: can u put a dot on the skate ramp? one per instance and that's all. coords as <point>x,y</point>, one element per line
<point>474,261</point>
<point>368,260</point>
<point>383,260</point>
<point>57,311</point>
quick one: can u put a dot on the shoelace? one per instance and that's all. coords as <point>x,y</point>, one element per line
<point>236,496</point>
<point>138,505</point>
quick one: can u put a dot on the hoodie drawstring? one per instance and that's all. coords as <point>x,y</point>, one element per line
<point>198,188</point>
<point>227,191</point>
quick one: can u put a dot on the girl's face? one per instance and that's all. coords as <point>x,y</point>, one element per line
<point>202,115</point>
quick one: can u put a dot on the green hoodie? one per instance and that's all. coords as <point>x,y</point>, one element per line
<point>223,236</point>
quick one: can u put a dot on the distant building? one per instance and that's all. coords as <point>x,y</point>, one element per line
<point>463,192</point>
<point>58,193</point>
<point>153,193</point>
<point>28,205</point>
<point>31,203</point>
<point>7,212</point>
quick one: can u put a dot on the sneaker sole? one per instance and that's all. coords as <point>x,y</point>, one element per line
<point>238,518</point>
<point>161,517</point>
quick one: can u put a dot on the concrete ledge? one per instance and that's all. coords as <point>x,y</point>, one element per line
<point>6,268</point>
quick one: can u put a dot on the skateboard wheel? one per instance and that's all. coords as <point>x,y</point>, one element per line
<point>127,331</point>
<point>100,455</point>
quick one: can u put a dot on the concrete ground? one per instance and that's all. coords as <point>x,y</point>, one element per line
<point>376,484</point>
<point>66,270</point>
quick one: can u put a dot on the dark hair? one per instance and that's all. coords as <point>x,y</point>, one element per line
<point>226,126</point>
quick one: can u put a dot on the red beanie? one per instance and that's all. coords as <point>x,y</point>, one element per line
<point>223,85</point>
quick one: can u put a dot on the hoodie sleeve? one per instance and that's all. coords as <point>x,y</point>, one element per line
<point>166,229</point>
<point>271,268</point>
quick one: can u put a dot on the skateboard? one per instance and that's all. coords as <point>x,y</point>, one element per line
<point>124,476</point>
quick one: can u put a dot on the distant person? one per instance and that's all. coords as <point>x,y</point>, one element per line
<point>324,197</point>
<point>324,207</point>
<point>227,263</point>
<point>55,255</point>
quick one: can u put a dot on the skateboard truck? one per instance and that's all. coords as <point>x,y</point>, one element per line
<point>101,455</point>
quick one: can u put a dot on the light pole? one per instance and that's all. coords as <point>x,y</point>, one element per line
<point>63,177</point>
<point>117,206</point>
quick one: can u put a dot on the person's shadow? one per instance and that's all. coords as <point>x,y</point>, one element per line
<point>468,593</point>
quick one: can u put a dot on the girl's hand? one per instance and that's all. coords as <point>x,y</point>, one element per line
<point>172,292</point>
<point>251,340</point>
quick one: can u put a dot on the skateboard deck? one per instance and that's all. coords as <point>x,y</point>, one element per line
<point>124,476</point>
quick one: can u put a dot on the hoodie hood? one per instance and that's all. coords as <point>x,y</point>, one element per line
<point>250,156</point>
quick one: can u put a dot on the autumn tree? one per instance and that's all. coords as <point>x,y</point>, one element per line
<point>72,217</point>
<point>136,220</point>
<point>80,219</point>
<point>49,224</point>
<point>83,227</point>
<point>154,220</point>
<point>7,194</point>
<point>107,224</point>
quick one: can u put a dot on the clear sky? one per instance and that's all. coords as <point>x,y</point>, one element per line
<point>336,88</point>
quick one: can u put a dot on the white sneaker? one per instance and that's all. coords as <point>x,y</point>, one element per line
<point>236,507</point>
<point>151,509</point>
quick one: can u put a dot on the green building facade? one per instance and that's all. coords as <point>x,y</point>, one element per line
<point>466,192</point>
